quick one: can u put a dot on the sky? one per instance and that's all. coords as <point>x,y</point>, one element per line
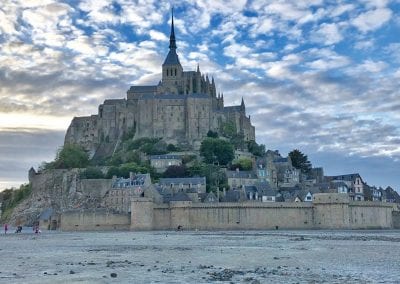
<point>319,76</point>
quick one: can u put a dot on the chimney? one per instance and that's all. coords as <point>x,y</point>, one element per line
<point>131,175</point>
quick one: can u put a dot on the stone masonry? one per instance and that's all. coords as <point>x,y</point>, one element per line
<point>181,109</point>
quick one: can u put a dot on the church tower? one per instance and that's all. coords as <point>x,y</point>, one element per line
<point>172,70</point>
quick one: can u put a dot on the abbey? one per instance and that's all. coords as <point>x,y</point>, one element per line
<point>181,109</point>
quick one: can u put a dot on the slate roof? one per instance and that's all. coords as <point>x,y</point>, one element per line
<point>339,184</point>
<point>348,177</point>
<point>165,157</point>
<point>137,180</point>
<point>392,195</point>
<point>205,196</point>
<point>114,101</point>
<point>174,96</point>
<point>192,180</point>
<point>241,174</point>
<point>143,89</point>
<point>281,160</point>
<point>269,192</point>
<point>180,196</point>
<point>232,196</point>
<point>232,108</point>
<point>250,188</point>
<point>172,58</point>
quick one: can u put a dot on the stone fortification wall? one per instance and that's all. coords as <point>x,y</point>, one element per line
<point>396,219</point>
<point>250,215</point>
<point>328,211</point>
<point>370,215</point>
<point>331,211</point>
<point>95,187</point>
<point>222,216</point>
<point>93,220</point>
<point>162,217</point>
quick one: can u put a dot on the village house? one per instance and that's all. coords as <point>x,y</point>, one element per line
<point>196,184</point>
<point>266,171</point>
<point>239,179</point>
<point>162,162</point>
<point>354,183</point>
<point>123,189</point>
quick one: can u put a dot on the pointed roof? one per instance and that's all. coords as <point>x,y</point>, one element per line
<point>172,57</point>
<point>172,42</point>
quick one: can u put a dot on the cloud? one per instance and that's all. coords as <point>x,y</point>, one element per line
<point>328,34</point>
<point>23,148</point>
<point>156,35</point>
<point>372,20</point>
<point>315,75</point>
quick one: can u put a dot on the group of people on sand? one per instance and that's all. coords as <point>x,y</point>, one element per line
<point>35,229</point>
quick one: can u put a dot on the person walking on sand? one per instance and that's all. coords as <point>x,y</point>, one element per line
<point>5,228</point>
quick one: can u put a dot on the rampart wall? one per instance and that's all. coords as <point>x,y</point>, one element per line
<point>396,219</point>
<point>93,220</point>
<point>327,211</point>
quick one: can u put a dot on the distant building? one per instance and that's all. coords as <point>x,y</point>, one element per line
<point>239,179</point>
<point>181,109</point>
<point>175,185</point>
<point>162,162</point>
<point>354,184</point>
<point>123,189</point>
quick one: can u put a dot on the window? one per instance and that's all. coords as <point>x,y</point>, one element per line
<point>175,72</point>
<point>167,72</point>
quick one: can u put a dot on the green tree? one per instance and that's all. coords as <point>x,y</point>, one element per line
<point>243,164</point>
<point>175,171</point>
<point>113,171</point>
<point>172,148</point>
<point>300,161</point>
<point>229,129</point>
<point>92,173</point>
<point>256,149</point>
<point>212,134</point>
<point>216,150</point>
<point>10,198</point>
<point>71,156</point>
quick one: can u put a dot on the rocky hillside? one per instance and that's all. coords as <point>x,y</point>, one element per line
<point>60,190</point>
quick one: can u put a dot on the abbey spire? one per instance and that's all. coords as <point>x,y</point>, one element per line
<point>172,57</point>
<point>172,69</point>
<point>172,41</point>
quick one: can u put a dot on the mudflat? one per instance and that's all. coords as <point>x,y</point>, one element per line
<point>201,257</point>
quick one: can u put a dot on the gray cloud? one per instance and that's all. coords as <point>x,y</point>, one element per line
<point>300,90</point>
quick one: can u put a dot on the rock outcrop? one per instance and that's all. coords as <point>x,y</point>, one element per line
<point>60,190</point>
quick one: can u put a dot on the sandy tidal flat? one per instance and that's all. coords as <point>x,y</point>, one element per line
<point>201,257</point>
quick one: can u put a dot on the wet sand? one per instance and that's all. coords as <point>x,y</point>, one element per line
<point>201,257</point>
